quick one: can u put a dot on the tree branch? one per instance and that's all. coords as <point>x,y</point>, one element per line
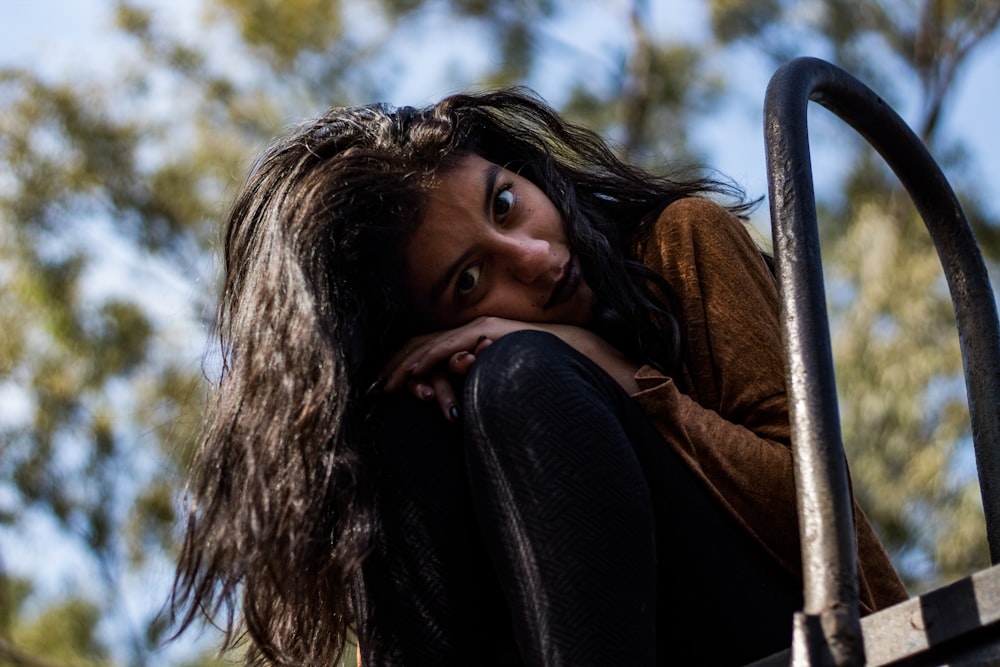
<point>947,56</point>
<point>635,95</point>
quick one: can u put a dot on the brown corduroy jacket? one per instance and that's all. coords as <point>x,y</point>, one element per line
<point>726,410</point>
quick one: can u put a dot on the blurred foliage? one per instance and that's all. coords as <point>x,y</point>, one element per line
<point>895,334</point>
<point>929,39</point>
<point>306,25</point>
<point>145,161</point>
<point>62,634</point>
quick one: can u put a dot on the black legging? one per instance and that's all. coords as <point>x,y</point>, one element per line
<point>555,527</point>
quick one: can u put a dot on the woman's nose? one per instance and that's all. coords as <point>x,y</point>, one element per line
<point>528,259</point>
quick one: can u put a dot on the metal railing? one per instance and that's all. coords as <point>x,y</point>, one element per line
<point>828,631</point>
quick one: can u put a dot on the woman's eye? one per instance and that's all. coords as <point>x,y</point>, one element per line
<point>467,280</point>
<point>503,203</point>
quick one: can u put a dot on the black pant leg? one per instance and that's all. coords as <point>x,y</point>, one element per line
<point>566,511</point>
<point>428,595</point>
<point>594,521</point>
<point>722,599</point>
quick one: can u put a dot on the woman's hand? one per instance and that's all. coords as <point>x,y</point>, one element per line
<point>431,377</point>
<point>428,364</point>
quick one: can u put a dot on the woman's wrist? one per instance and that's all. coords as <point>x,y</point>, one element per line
<point>604,354</point>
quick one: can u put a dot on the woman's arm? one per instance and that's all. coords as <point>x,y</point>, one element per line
<point>427,365</point>
<point>726,409</point>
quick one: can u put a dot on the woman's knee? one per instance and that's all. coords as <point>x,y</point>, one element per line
<point>517,362</point>
<point>525,369</point>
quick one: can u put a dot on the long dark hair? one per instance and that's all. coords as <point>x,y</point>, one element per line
<point>280,516</point>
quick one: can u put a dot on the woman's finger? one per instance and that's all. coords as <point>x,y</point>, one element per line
<point>424,353</point>
<point>417,362</point>
<point>444,391</point>
<point>421,389</point>
<point>431,352</point>
<point>461,362</point>
<point>481,344</point>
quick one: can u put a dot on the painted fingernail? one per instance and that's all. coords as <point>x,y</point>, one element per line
<point>454,413</point>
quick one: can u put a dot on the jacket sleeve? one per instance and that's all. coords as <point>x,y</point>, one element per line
<point>725,410</point>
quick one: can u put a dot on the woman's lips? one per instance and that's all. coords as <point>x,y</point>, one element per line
<point>567,284</point>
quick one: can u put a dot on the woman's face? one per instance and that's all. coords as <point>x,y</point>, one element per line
<point>491,242</point>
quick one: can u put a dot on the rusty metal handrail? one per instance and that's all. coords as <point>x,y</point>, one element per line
<point>828,549</point>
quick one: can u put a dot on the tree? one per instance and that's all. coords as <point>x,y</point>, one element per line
<point>109,407</point>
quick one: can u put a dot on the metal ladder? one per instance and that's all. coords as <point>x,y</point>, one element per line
<point>955,625</point>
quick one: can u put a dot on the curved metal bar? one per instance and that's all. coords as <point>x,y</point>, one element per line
<point>830,568</point>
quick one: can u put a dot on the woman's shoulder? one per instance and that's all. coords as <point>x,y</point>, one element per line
<point>692,208</point>
<point>698,228</point>
<point>725,300</point>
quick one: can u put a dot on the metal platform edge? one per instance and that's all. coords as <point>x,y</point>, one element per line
<point>957,624</point>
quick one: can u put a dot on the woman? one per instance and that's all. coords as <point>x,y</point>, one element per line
<point>595,469</point>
